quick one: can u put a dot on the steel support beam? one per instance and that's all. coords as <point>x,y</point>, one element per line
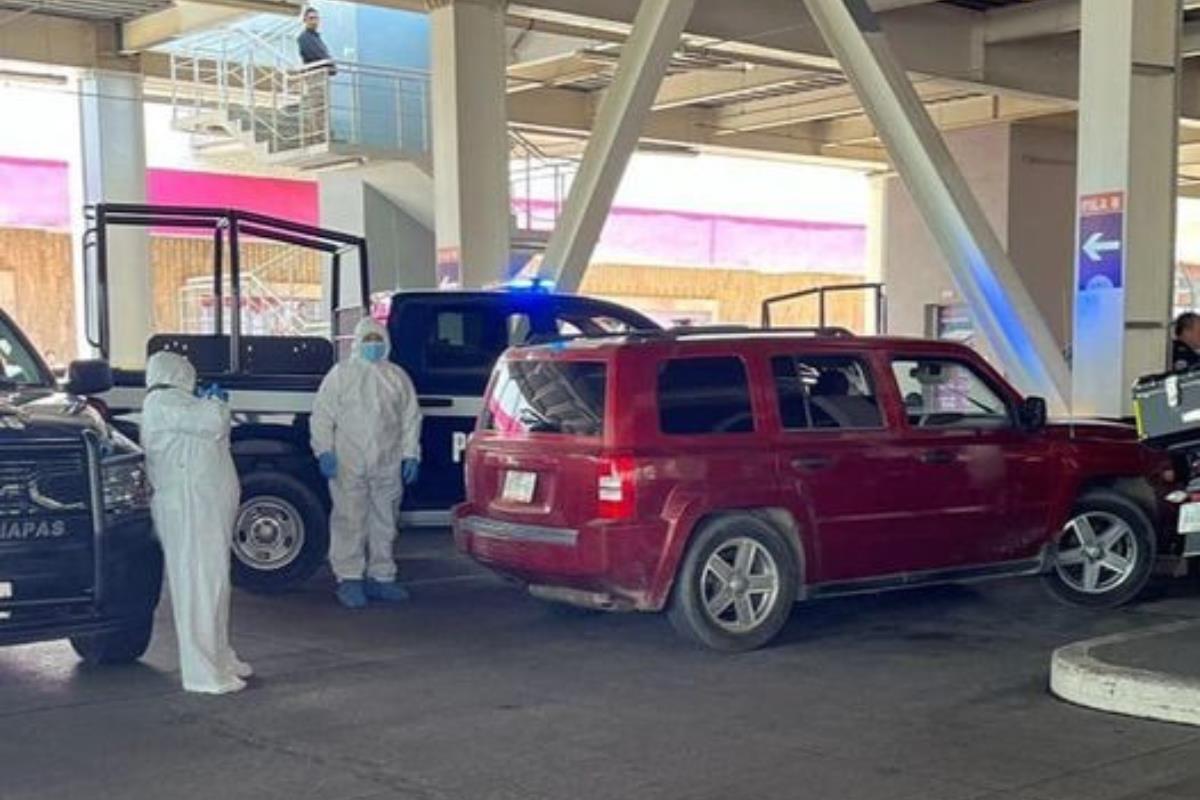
<point>982,271</point>
<point>1125,254</point>
<point>622,112</point>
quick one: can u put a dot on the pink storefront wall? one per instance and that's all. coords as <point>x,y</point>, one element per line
<point>681,238</point>
<point>35,193</point>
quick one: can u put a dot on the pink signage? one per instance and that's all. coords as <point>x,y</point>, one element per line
<point>277,197</point>
<point>34,194</point>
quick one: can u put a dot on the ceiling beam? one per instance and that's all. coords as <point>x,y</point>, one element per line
<point>711,85</point>
<point>1034,20</point>
<point>968,112</point>
<point>61,41</point>
<point>821,104</point>
<point>563,112</point>
<point>556,70</point>
<point>160,27</point>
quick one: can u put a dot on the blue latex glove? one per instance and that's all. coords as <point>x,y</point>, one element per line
<point>410,471</point>
<point>327,461</point>
<point>214,391</point>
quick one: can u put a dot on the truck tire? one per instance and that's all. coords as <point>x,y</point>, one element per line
<point>281,534</point>
<point>1105,553</point>
<point>736,586</point>
<point>123,646</point>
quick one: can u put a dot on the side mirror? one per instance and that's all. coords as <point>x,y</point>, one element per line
<point>1033,413</point>
<point>89,377</point>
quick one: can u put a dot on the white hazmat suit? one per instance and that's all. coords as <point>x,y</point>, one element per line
<point>366,414</point>
<point>195,502</point>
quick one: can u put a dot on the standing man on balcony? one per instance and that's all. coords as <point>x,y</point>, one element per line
<point>318,67</point>
<point>312,46</point>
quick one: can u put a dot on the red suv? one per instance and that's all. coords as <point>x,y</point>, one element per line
<point>723,476</point>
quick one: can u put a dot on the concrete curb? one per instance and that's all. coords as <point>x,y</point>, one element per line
<point>1077,676</point>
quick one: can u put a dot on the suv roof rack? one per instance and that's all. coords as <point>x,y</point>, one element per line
<point>709,330</point>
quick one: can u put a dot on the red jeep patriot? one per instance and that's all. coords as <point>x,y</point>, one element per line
<point>723,476</point>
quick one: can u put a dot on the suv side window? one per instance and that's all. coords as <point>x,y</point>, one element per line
<point>825,392</point>
<point>940,393</point>
<point>706,395</point>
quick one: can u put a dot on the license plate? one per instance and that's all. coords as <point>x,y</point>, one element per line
<point>1189,518</point>
<point>519,486</point>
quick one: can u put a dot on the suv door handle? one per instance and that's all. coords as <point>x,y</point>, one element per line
<point>938,457</point>
<point>811,462</point>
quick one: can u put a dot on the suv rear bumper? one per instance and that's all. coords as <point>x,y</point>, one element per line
<point>133,565</point>
<point>613,563</point>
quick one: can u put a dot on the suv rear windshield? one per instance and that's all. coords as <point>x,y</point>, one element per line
<point>547,397</point>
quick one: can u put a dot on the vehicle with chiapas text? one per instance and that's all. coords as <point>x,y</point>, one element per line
<point>78,556</point>
<point>721,477</point>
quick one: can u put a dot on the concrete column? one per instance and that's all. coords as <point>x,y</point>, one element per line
<point>877,226</point>
<point>1125,245</point>
<point>113,169</point>
<point>470,140</point>
<point>644,59</point>
<point>1004,311</point>
<point>391,204</point>
<point>1023,176</point>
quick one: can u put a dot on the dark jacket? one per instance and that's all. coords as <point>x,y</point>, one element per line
<point>1183,357</point>
<point>312,48</point>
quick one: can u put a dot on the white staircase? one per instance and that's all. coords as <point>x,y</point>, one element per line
<point>243,87</point>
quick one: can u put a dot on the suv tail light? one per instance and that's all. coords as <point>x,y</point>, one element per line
<point>616,487</point>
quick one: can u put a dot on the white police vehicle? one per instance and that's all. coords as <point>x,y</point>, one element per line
<point>448,343</point>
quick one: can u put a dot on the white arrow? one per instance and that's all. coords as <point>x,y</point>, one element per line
<point>1096,246</point>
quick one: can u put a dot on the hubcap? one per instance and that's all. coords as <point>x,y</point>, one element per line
<point>268,534</point>
<point>1097,553</point>
<point>739,585</point>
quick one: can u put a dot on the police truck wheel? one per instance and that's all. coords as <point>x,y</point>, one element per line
<point>122,646</point>
<point>281,534</point>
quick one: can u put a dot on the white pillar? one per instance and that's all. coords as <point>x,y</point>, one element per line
<point>877,225</point>
<point>113,169</point>
<point>985,277</point>
<point>470,141</point>
<point>623,110</point>
<point>1125,246</point>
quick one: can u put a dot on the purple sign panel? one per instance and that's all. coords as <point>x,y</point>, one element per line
<point>1101,256</point>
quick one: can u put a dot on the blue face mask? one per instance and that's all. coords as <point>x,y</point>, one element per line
<point>372,352</point>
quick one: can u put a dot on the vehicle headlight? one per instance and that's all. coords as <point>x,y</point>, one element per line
<point>126,488</point>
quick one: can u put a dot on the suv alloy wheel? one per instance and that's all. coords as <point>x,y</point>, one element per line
<point>1105,554</point>
<point>736,585</point>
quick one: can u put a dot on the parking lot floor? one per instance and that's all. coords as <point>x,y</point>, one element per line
<point>473,690</point>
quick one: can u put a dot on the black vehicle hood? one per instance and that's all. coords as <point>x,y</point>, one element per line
<point>41,413</point>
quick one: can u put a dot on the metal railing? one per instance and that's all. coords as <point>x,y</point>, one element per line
<point>873,290</point>
<point>538,183</point>
<point>253,87</point>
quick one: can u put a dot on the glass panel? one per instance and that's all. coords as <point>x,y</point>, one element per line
<point>939,393</point>
<point>704,396</point>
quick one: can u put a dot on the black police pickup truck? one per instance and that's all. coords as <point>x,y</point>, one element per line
<point>447,341</point>
<point>78,556</point>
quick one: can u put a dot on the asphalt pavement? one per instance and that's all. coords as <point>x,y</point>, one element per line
<point>474,691</point>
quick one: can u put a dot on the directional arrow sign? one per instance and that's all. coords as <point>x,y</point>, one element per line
<point>1101,260</point>
<point>1096,246</point>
